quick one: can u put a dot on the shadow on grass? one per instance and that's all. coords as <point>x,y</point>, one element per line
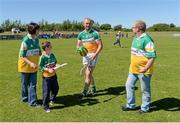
<point>167,104</point>
<point>119,90</point>
<point>116,91</point>
<point>73,100</point>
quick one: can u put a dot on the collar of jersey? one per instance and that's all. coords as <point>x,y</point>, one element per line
<point>48,55</point>
<point>89,30</point>
<point>29,36</point>
<point>142,35</point>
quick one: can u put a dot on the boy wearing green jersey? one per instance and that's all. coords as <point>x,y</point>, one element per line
<point>141,68</point>
<point>50,84</point>
<point>28,64</point>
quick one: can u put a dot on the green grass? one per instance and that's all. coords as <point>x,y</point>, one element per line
<point>110,76</point>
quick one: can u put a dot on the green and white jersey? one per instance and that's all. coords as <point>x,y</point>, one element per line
<point>31,50</point>
<point>89,40</point>
<point>47,61</point>
<point>142,49</point>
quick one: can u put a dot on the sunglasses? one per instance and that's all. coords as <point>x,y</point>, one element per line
<point>48,46</point>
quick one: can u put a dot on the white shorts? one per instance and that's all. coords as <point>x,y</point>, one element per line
<point>87,60</point>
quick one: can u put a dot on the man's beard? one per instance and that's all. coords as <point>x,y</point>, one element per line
<point>88,28</point>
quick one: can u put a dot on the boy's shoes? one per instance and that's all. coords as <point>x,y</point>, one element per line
<point>51,102</point>
<point>125,108</point>
<point>47,110</point>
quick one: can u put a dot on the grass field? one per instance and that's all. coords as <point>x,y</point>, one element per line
<point>110,77</point>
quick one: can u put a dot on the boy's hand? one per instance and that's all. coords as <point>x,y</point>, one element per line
<point>50,70</point>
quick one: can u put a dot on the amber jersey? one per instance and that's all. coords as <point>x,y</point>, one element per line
<point>89,40</point>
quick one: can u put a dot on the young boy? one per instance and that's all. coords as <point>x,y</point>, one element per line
<point>50,84</point>
<point>28,64</point>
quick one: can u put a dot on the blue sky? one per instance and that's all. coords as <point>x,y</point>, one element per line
<point>114,12</point>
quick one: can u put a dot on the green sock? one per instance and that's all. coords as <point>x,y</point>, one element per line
<point>85,88</point>
<point>93,87</point>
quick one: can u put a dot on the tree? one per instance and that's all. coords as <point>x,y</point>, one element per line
<point>96,26</point>
<point>117,27</point>
<point>7,25</point>
<point>105,27</point>
<point>126,30</point>
<point>160,27</point>
<point>42,24</point>
<point>66,25</point>
<point>172,25</point>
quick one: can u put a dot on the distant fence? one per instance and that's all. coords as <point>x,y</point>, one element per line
<point>44,36</point>
<point>11,37</point>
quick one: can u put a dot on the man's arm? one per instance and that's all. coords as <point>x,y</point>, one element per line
<point>100,47</point>
<point>79,43</point>
<point>32,65</point>
<point>148,65</point>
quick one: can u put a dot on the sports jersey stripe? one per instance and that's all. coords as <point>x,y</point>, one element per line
<point>149,47</point>
<point>87,40</point>
<point>32,52</point>
<point>137,52</point>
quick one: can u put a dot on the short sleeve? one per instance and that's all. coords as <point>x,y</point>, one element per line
<point>97,36</point>
<point>79,37</point>
<point>150,50</point>
<point>23,49</point>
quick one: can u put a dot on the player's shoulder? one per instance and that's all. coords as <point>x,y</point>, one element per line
<point>148,38</point>
<point>25,38</point>
<point>94,32</point>
<point>81,33</point>
<point>52,54</point>
<point>42,56</point>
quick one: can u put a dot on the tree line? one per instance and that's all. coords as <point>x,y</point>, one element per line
<point>68,25</point>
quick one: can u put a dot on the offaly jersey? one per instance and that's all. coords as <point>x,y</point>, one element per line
<point>47,61</point>
<point>89,40</point>
<point>142,49</point>
<point>31,50</point>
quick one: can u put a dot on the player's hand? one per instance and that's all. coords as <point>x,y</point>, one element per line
<point>93,56</point>
<point>142,70</point>
<point>32,65</point>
